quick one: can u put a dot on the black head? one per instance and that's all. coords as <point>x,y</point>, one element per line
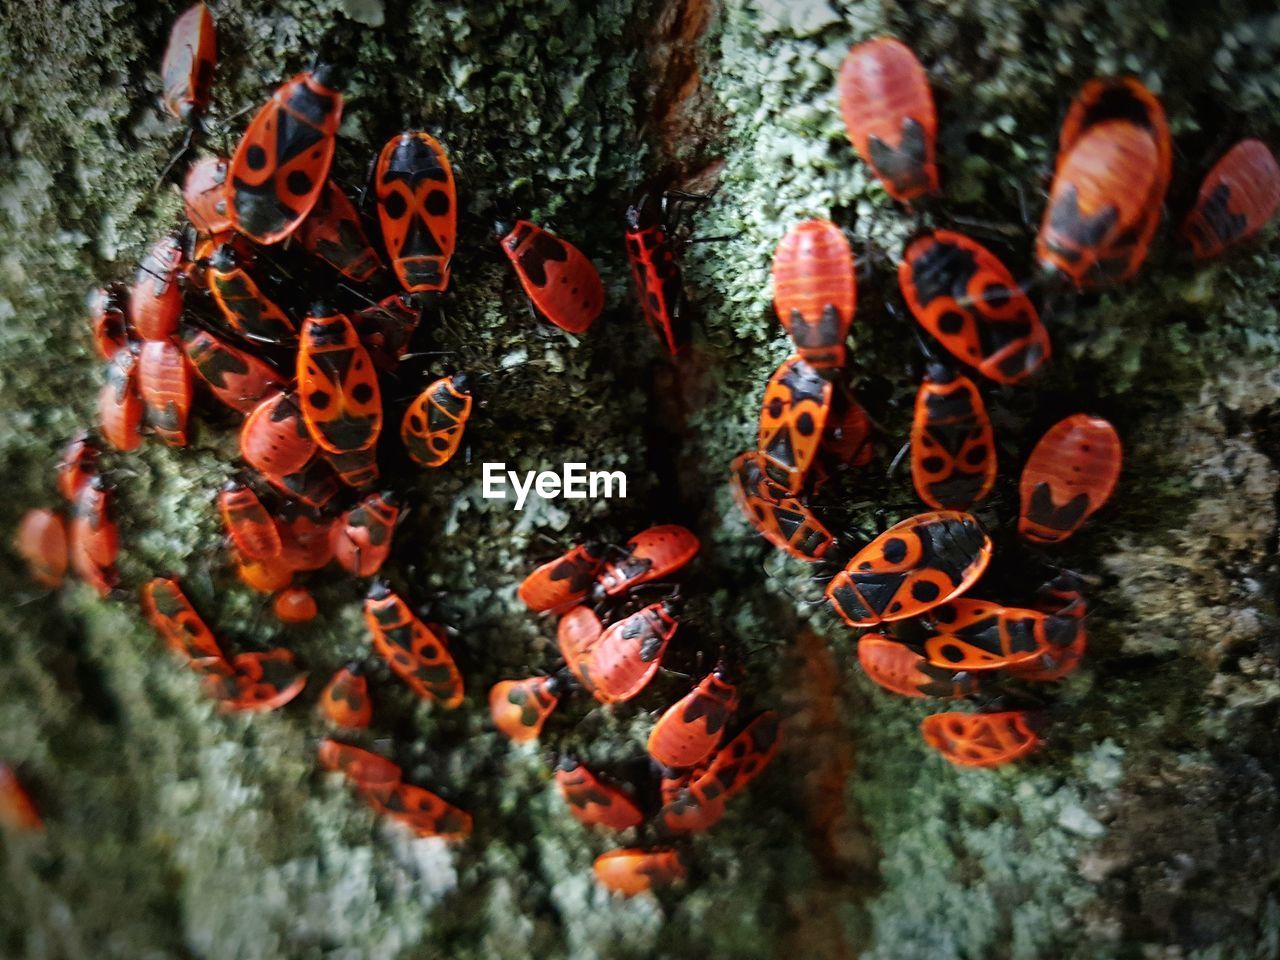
<point>223,258</point>
<point>327,75</point>
<point>379,590</point>
<point>461,382</point>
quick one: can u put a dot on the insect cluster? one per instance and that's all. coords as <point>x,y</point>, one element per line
<point>910,584</point>
<point>612,638</point>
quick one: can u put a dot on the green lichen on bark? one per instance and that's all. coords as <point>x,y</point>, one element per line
<point>1145,825</point>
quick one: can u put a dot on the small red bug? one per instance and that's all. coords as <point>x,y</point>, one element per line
<point>250,527</point>
<point>357,469</point>
<point>17,811</point>
<point>426,814</point>
<point>361,537</point>
<point>953,450</point>
<point>743,758</point>
<point>365,769</point>
<point>178,624</point>
<point>155,301</point>
<point>889,115</point>
<point>236,377</point>
<point>188,64</point>
<point>282,162</point>
<point>633,871</point>
<point>1069,476</point>
<point>345,701</point>
<point>264,576</point>
<point>337,386</point>
<point>981,635</point>
<point>901,670</point>
<point>689,730</point>
<point>1238,198</point>
<point>164,383</point>
<point>521,707</point>
<point>563,581</point>
<point>797,402</point>
<point>913,566</point>
<point>432,426</point>
<point>295,605</point>
<point>847,439</point>
<point>961,293</point>
<point>685,808</point>
<point>1103,205</point>
<point>333,232</point>
<point>655,272</point>
<point>305,539</point>
<point>629,653</point>
<point>980,739</point>
<point>815,292</point>
<point>249,311</point>
<point>563,285</point>
<point>94,541</point>
<point>257,682</point>
<point>1063,600</point>
<point>415,652</point>
<point>41,541</point>
<point>204,196</point>
<point>77,466</point>
<point>276,443</point>
<point>776,515</point>
<point>387,327</point>
<point>120,408</point>
<point>593,802</point>
<point>107,321</point>
<point>418,209</point>
<point>651,555</point>
<point>577,634</point>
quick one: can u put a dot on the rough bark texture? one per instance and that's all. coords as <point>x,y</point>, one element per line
<point>1147,827</point>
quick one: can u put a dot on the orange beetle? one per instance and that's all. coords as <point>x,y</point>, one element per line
<point>593,802</point>
<point>890,117</point>
<point>250,527</point>
<point>156,298</point>
<point>107,321</point>
<point>120,408</point>
<point>17,811</point>
<point>847,439</point>
<point>247,309</point>
<point>577,634</point>
<point>1069,476</point>
<point>415,652</point>
<point>563,581</point>
<point>188,64</point>
<point>337,385</point>
<point>685,808</point>
<point>204,196</point>
<point>652,554</point>
<point>953,449</point>
<point>815,293</point>
<point>345,701</point>
<point>690,728</point>
<point>979,635</point>
<point>387,327</point>
<point>357,469</point>
<point>333,232</point>
<point>563,285</point>
<point>426,814</point>
<point>743,758</point>
<point>166,388</point>
<point>178,624</point>
<point>418,209</point>
<point>432,426</point>
<point>1238,198</point>
<point>295,605</point>
<point>77,466</point>
<point>41,541</point>
<point>783,520</point>
<point>257,682</point>
<point>627,655</point>
<point>276,443</point>
<point>913,566</point>
<point>94,541</point>
<point>980,739</point>
<point>1063,600</point>
<point>901,670</point>
<point>361,537</point>
<point>521,707</point>
<point>363,768</point>
<point>305,538</point>
<point>797,402</point>
<point>633,871</point>
<point>236,377</point>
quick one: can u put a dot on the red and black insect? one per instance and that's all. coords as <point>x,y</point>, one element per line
<point>264,576</point>
<point>563,581</point>
<point>236,377</point>
<point>847,439</point>
<point>256,682</point>
<point>593,802</point>
<point>204,196</point>
<point>275,442</point>
<point>362,536</point>
<point>282,162</point>
<point>1063,600</point>
<point>250,527</point>
<point>337,385</point>
<point>433,424</point>
<point>685,806</point>
<point>295,605</point>
<point>41,541</point>
<point>17,810</point>
<point>418,209</point>
<point>780,518</point>
<point>155,302</point>
<point>742,759</point>
<point>249,311</point>
<point>980,739</point>
<point>332,231</point>
<point>415,652</point>
<point>655,272</point>
<point>953,452</point>
<point>107,321</point>
<point>356,468</point>
<point>166,388</point>
<point>306,538</point>
<point>577,634</point>
<point>980,635</point>
<point>426,814</point>
<point>520,707</point>
<point>815,292</point>
<point>651,555</point>
<point>890,117</point>
<point>632,871</point>
<point>910,568</point>
<point>363,768</point>
<point>386,328</point>
<point>563,285</point>
<point>629,653</point>
<point>94,540</point>
<point>188,64</point>
<point>1069,476</point>
<point>345,701</point>
<point>120,408</point>
<point>176,621</point>
<point>899,669</point>
<point>961,293</point>
<point>690,728</point>
<point>793,416</point>
<point>77,466</point>
<point>1238,198</point>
